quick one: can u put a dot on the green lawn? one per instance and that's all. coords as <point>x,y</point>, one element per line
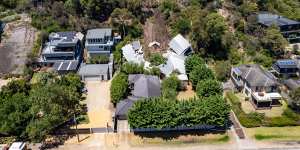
<point>274,133</point>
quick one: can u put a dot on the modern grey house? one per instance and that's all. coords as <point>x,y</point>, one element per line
<point>290,29</point>
<point>257,84</point>
<point>62,46</point>
<point>285,67</point>
<point>99,42</point>
<point>141,86</point>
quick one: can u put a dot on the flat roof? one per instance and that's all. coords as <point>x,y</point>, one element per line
<point>98,33</point>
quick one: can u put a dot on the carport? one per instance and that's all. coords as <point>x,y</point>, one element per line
<point>94,72</point>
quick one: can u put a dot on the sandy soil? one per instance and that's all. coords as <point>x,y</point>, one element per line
<point>98,103</point>
<point>3,82</point>
<point>187,94</point>
<point>17,43</point>
<point>155,29</point>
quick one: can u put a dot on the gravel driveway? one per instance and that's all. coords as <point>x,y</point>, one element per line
<point>98,104</point>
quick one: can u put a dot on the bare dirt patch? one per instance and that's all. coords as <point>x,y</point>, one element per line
<point>156,29</point>
<point>187,94</point>
<point>17,43</point>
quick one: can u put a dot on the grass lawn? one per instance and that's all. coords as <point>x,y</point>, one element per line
<point>274,133</point>
<point>184,139</point>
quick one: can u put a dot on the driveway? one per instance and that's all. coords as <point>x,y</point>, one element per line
<point>98,104</point>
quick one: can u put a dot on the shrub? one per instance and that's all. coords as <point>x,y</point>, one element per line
<point>193,61</point>
<point>200,72</point>
<point>101,59</point>
<point>119,87</point>
<point>206,88</point>
<point>222,70</point>
<point>170,86</point>
<point>279,121</point>
<point>157,59</point>
<point>132,68</point>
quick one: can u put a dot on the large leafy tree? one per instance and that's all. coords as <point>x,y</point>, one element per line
<point>192,61</point>
<point>200,72</point>
<point>273,40</point>
<point>207,88</point>
<point>170,86</point>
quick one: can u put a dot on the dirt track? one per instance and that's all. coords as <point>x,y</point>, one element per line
<point>17,43</point>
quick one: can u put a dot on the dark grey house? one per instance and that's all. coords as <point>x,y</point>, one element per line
<point>62,46</point>
<point>142,86</point>
<point>290,29</point>
<point>285,67</point>
<point>2,26</point>
<point>257,84</point>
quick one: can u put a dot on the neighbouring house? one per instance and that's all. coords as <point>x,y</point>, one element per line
<point>132,52</point>
<point>257,84</point>
<point>62,46</point>
<point>291,85</point>
<point>290,29</point>
<point>99,42</point>
<point>2,26</point>
<point>175,64</point>
<point>95,72</point>
<point>141,86</point>
<point>64,67</point>
<point>180,45</point>
<point>285,67</point>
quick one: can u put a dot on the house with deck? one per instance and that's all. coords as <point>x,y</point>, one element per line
<point>99,42</point>
<point>260,86</point>
<point>62,46</point>
<point>290,29</point>
<point>285,67</point>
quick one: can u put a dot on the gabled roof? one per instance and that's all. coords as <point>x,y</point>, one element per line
<point>268,19</point>
<point>174,62</point>
<point>131,56</point>
<point>286,63</point>
<point>179,44</point>
<point>93,69</point>
<point>98,33</point>
<point>256,76</point>
<point>145,85</point>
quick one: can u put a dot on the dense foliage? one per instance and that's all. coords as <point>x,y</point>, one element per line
<point>162,113</point>
<point>200,72</point>
<point>119,87</point>
<point>157,59</point>
<point>31,111</point>
<point>101,59</point>
<point>170,86</point>
<point>207,88</point>
<point>192,61</point>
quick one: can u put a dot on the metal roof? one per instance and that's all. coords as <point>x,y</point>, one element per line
<point>145,85</point>
<point>256,76</point>
<point>179,44</point>
<point>268,19</point>
<point>93,69</point>
<point>98,33</point>
<point>286,63</point>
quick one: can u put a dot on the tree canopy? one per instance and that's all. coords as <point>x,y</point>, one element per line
<point>207,88</point>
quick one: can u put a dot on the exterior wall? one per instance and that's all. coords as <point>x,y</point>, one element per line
<point>99,46</point>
